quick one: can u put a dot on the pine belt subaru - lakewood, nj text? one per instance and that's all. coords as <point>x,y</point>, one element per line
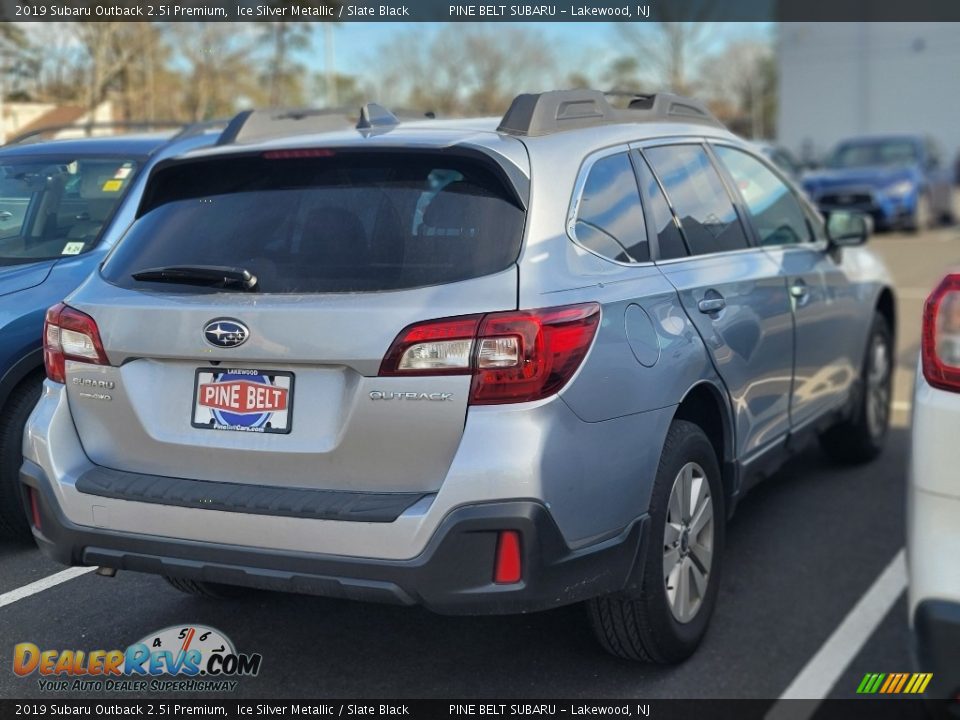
<point>487,366</point>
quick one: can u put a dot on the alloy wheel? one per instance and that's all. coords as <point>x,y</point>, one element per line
<point>688,543</point>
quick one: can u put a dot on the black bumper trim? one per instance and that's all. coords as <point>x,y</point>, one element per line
<point>245,498</point>
<point>936,646</point>
<point>453,574</point>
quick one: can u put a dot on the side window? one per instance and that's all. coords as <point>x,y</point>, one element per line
<point>775,210</point>
<point>609,218</point>
<point>669,239</point>
<point>709,220</point>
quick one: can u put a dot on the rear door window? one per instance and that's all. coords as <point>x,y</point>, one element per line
<point>51,207</point>
<point>707,215</point>
<point>609,218</point>
<point>775,210</point>
<point>344,222</point>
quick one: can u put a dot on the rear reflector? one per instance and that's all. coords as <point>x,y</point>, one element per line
<point>34,508</point>
<point>508,568</point>
<point>512,356</point>
<point>940,338</point>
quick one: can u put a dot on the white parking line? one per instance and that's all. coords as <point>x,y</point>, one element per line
<point>821,673</point>
<point>902,405</point>
<point>43,584</point>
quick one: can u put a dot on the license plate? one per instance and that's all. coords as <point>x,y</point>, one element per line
<point>243,400</point>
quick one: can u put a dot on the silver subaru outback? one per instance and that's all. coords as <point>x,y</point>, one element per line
<point>486,366</point>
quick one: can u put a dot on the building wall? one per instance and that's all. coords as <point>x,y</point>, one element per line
<point>844,79</point>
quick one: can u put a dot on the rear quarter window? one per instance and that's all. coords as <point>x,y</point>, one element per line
<point>345,223</point>
<point>609,219</point>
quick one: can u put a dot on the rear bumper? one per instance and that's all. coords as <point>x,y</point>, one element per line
<point>453,574</point>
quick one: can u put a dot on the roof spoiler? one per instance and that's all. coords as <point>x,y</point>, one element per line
<point>545,113</point>
<point>255,125</point>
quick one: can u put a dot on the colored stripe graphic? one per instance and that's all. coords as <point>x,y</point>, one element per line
<point>894,683</point>
<point>903,681</point>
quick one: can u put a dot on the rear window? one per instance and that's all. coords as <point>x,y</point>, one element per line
<point>58,206</point>
<point>344,223</point>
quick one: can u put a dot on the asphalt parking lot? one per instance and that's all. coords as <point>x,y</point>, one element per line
<point>803,549</point>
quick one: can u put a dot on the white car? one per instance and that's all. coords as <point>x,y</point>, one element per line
<point>933,496</point>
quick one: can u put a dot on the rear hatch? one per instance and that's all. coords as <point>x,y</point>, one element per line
<point>245,317</point>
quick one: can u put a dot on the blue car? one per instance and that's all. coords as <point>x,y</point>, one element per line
<point>900,180</point>
<point>63,205</point>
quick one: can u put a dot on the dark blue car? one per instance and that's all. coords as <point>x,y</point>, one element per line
<point>900,180</point>
<point>63,205</point>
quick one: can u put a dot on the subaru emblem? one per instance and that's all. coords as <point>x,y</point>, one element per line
<point>225,333</point>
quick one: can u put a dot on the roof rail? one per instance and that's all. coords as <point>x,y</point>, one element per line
<point>254,125</point>
<point>558,110</point>
<point>88,127</point>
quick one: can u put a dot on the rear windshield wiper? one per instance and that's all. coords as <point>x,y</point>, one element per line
<point>215,276</point>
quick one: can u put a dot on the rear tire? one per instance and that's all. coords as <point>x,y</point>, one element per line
<point>20,403</point>
<point>860,438</point>
<point>650,623</point>
<point>208,590</point>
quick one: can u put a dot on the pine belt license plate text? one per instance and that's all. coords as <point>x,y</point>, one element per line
<point>243,400</point>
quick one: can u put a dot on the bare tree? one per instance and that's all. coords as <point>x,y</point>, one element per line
<point>110,48</point>
<point>461,69</point>
<point>742,79</point>
<point>219,71</point>
<point>669,49</point>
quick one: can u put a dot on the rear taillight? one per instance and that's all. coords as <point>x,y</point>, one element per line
<point>69,334</point>
<point>512,356</point>
<point>940,341</point>
<point>436,347</point>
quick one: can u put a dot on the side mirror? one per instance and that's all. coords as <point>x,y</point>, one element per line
<point>847,229</point>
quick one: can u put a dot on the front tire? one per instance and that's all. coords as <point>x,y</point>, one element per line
<point>861,437</point>
<point>664,620</point>
<point>20,403</point>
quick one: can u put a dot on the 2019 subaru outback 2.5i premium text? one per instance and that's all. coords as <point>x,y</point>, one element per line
<point>488,368</point>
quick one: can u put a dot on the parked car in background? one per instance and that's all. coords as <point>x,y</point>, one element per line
<point>380,364</point>
<point>63,205</point>
<point>933,498</point>
<point>782,158</point>
<point>902,181</point>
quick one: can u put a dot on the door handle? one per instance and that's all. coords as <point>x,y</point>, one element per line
<point>4,215</point>
<point>799,289</point>
<point>711,305</point>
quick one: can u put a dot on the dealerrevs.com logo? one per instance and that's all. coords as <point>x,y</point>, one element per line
<point>180,658</point>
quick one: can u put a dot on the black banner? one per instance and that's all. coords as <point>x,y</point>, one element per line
<point>469,11</point>
<point>875,709</point>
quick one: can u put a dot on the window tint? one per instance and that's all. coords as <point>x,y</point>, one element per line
<point>610,216</point>
<point>347,222</point>
<point>709,220</point>
<point>669,239</point>
<point>776,213</point>
<point>52,207</point>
